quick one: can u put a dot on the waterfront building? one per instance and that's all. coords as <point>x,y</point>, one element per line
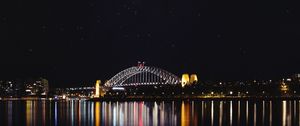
<point>37,87</point>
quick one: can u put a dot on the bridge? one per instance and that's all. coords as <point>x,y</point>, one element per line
<point>143,75</point>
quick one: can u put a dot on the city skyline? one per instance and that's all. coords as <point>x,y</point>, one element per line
<point>148,62</point>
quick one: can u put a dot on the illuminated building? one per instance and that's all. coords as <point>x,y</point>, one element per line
<point>37,87</point>
<point>193,79</point>
<point>97,89</point>
<point>185,80</point>
<point>284,87</point>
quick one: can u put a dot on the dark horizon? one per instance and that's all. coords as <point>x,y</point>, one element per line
<point>74,42</point>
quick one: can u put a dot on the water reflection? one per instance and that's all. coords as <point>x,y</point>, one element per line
<point>88,113</point>
<point>9,113</point>
<point>221,113</point>
<point>29,113</point>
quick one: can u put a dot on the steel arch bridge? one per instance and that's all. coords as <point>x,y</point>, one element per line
<point>142,75</point>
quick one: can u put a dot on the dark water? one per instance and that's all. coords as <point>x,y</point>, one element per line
<point>208,113</point>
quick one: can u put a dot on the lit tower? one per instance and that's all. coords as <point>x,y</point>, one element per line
<point>193,79</point>
<point>185,79</point>
<point>97,87</point>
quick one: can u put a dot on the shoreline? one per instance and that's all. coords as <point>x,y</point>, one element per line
<point>227,98</point>
<point>196,99</point>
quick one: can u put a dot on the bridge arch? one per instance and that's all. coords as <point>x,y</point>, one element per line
<point>145,74</point>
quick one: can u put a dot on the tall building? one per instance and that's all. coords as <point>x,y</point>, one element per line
<point>37,87</point>
<point>45,84</point>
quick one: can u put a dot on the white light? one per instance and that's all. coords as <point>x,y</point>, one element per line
<point>230,92</point>
<point>118,88</point>
<point>64,96</point>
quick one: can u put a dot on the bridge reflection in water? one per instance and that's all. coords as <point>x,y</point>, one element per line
<point>246,113</point>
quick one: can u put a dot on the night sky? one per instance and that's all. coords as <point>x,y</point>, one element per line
<point>70,42</point>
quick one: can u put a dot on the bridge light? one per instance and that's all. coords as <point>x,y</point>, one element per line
<point>118,88</point>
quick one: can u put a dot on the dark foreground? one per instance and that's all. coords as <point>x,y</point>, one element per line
<point>188,112</point>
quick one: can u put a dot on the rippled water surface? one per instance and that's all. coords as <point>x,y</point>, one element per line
<point>143,113</point>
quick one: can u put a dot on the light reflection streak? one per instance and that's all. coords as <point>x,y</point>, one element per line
<point>230,113</point>
<point>97,114</point>
<point>117,114</point>
<point>294,111</point>
<point>263,113</point>
<point>44,112</point>
<point>173,113</point>
<point>72,112</point>
<point>247,113</point>
<point>155,113</point>
<point>109,111</point>
<point>221,113</point>
<point>34,111</point>
<point>239,112</point>
<point>114,115</point>
<point>136,113</point>
<point>92,113</point>
<point>28,113</point>
<point>212,113</point>
<point>202,112</point>
<point>79,112</point>
<point>125,112</point>
<point>88,113</point>
<point>185,114</point>
<point>254,118</point>
<point>9,112</point>
<point>195,116</point>
<point>270,115</point>
<point>283,113</point>
<point>55,113</point>
<point>121,115</point>
<point>141,114</point>
<point>289,114</point>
